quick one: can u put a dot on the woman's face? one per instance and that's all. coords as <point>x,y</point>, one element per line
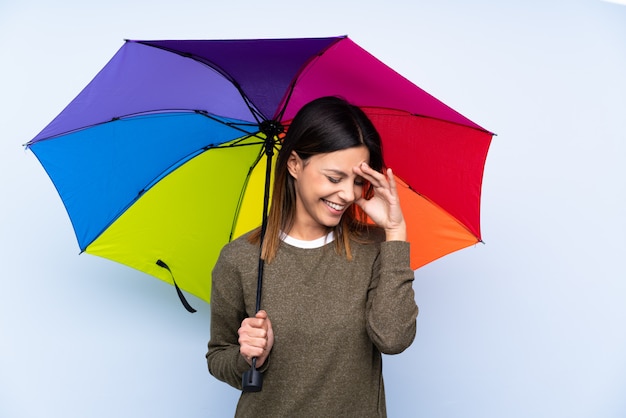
<point>325,187</point>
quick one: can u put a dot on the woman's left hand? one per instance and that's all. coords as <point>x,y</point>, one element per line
<point>384,207</point>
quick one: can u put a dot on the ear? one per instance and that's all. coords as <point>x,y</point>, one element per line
<point>294,164</point>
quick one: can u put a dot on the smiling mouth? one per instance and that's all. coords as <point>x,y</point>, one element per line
<point>334,206</point>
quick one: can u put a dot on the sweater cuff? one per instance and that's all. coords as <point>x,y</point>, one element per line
<point>243,366</point>
<point>396,253</point>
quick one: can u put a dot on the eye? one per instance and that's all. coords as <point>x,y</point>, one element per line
<point>359,181</point>
<point>334,180</point>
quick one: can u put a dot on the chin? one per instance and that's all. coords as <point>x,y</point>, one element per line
<point>331,223</point>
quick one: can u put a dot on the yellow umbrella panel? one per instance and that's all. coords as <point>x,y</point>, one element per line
<point>189,215</point>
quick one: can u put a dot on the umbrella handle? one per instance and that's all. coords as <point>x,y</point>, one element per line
<point>252,380</point>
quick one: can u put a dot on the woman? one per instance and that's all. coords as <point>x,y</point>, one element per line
<point>337,292</point>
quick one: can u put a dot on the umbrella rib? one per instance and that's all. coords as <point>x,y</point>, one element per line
<point>242,193</point>
<point>154,112</point>
<point>236,126</point>
<point>304,66</point>
<point>418,115</point>
<point>258,116</point>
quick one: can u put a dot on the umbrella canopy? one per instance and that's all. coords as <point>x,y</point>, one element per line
<point>161,159</point>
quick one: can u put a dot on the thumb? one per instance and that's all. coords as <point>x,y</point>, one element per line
<point>360,202</point>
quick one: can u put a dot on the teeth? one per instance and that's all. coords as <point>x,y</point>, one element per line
<point>334,205</point>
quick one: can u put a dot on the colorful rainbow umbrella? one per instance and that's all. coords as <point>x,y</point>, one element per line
<point>163,157</point>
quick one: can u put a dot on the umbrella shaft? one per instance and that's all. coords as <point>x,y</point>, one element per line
<point>269,152</point>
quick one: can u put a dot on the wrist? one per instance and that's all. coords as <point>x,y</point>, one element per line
<point>396,234</point>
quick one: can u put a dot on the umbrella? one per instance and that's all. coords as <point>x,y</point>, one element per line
<point>166,155</point>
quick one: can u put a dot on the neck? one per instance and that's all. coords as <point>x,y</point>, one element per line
<point>308,234</point>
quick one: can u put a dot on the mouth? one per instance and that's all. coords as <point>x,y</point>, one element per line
<point>334,206</point>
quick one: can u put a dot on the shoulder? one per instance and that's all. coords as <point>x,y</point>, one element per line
<point>239,250</point>
<point>369,234</point>
<point>365,243</point>
<point>371,242</point>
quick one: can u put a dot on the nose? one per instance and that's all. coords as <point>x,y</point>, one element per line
<point>349,191</point>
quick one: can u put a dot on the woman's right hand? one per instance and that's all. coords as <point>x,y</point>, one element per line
<point>256,338</point>
<point>384,207</point>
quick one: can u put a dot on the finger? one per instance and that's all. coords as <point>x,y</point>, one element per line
<point>392,180</point>
<point>249,353</point>
<point>250,324</point>
<point>254,342</point>
<point>256,333</point>
<point>368,171</point>
<point>251,333</point>
<point>258,321</point>
<point>376,179</point>
<point>264,321</point>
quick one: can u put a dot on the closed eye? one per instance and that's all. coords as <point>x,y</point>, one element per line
<point>357,181</point>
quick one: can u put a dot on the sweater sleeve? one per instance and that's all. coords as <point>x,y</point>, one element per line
<point>227,311</point>
<point>391,307</point>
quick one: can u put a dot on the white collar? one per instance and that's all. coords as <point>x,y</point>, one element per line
<point>316,243</point>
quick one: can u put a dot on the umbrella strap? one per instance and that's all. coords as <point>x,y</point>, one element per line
<point>181,296</point>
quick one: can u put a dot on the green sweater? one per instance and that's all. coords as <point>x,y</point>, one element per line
<point>331,317</point>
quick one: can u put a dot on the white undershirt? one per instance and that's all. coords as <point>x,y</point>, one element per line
<point>316,243</point>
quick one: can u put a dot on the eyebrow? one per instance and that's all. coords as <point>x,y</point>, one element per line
<point>335,171</point>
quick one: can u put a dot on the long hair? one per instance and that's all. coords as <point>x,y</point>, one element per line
<point>324,125</point>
